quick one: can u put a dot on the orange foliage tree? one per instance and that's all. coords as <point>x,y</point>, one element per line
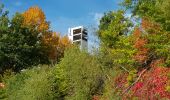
<point>34,17</point>
<point>140,42</point>
<point>142,36</point>
<point>151,79</point>
<point>56,45</point>
<point>153,84</point>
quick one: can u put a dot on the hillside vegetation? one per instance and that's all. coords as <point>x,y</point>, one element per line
<point>131,63</point>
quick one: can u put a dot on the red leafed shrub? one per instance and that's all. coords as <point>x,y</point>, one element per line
<point>137,86</point>
<point>153,82</point>
<point>120,81</point>
<point>152,85</point>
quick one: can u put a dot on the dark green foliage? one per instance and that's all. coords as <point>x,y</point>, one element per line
<point>3,20</point>
<point>3,95</point>
<point>20,47</point>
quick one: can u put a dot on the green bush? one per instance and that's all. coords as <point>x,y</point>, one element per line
<point>82,73</point>
<point>38,83</point>
<point>77,77</point>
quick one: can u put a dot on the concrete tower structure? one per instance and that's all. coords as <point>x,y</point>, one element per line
<point>78,35</point>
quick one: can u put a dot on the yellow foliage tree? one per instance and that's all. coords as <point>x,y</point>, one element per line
<point>56,44</point>
<point>64,41</point>
<point>35,17</point>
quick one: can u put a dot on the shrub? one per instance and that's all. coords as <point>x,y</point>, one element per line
<point>38,83</point>
<point>82,73</point>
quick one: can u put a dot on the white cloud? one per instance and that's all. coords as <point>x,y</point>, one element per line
<point>18,3</point>
<point>97,17</point>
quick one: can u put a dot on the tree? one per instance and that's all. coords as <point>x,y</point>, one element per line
<point>143,54</point>
<point>156,10</point>
<point>113,32</point>
<point>3,20</point>
<point>22,39</point>
<point>112,26</point>
<point>56,45</point>
<point>150,43</point>
<point>27,41</point>
<point>35,18</point>
<point>16,37</point>
<point>154,26</point>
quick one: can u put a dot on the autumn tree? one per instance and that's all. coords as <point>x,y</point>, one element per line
<point>151,40</point>
<point>35,18</point>
<point>56,45</point>
<point>26,40</point>
<point>21,48</point>
<point>144,54</point>
<point>116,50</point>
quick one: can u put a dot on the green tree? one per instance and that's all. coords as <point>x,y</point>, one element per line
<point>116,39</point>
<point>3,20</point>
<point>26,42</point>
<point>21,47</point>
<point>154,26</point>
<point>112,26</point>
<point>156,10</point>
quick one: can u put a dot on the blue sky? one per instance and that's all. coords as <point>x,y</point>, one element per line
<point>63,14</point>
<point>66,13</point>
